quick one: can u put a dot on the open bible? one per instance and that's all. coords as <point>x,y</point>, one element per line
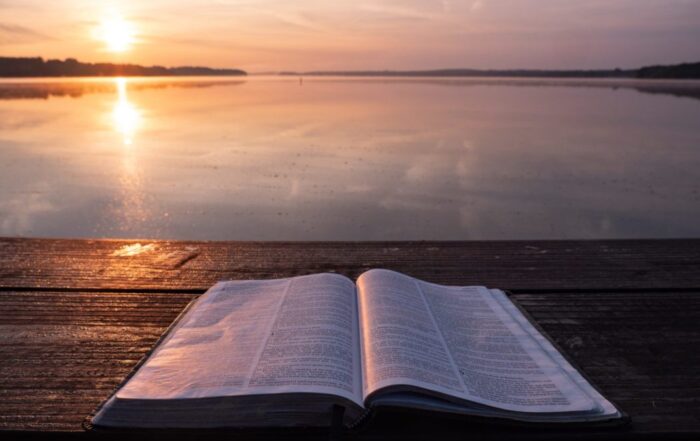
<point>281,353</point>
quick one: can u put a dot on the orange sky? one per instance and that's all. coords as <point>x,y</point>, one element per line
<point>268,35</point>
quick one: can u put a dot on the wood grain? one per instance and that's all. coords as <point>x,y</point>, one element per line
<point>76,316</point>
<point>194,266</point>
<point>62,353</point>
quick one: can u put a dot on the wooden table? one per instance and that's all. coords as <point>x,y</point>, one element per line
<point>76,315</point>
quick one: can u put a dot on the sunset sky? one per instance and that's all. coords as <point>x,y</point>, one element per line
<point>268,35</point>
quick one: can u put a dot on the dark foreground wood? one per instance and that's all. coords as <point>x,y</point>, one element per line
<point>75,316</point>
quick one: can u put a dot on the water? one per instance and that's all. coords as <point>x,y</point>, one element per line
<point>349,159</point>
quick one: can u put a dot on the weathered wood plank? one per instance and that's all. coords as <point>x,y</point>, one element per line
<point>62,353</point>
<point>531,265</point>
<point>638,348</point>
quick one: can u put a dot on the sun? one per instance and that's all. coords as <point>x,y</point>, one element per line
<point>117,33</point>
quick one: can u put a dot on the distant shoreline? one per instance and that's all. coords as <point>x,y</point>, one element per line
<point>470,73</point>
<point>37,67</point>
<point>678,71</point>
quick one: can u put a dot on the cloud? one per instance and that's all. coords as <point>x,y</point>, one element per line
<point>299,20</point>
<point>405,12</point>
<point>16,34</point>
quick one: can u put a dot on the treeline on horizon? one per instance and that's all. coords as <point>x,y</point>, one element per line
<point>677,71</point>
<point>70,67</point>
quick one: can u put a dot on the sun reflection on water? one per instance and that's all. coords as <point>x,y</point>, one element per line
<point>126,116</point>
<point>130,210</point>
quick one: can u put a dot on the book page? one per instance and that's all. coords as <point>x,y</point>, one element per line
<point>400,342</point>
<point>297,335</point>
<point>457,341</point>
<point>606,407</point>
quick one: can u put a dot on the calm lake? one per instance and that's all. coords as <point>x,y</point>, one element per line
<point>278,158</point>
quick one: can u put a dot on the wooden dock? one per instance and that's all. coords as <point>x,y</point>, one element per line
<point>76,315</point>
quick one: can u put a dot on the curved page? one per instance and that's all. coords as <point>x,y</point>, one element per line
<point>295,335</point>
<point>459,342</point>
